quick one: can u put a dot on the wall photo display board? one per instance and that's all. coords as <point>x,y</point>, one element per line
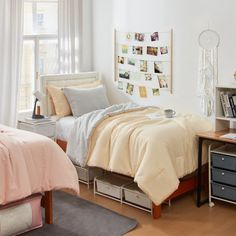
<point>143,62</point>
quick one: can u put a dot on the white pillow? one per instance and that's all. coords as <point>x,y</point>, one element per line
<point>83,101</point>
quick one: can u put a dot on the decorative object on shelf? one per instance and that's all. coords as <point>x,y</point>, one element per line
<point>36,112</point>
<point>143,62</point>
<point>208,41</point>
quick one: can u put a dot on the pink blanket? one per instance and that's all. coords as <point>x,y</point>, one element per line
<point>31,163</point>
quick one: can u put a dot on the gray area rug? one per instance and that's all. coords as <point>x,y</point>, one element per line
<point>76,216</point>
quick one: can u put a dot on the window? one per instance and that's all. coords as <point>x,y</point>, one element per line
<point>40,46</point>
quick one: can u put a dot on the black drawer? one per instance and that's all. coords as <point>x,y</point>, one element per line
<point>224,176</point>
<point>223,161</point>
<point>224,191</point>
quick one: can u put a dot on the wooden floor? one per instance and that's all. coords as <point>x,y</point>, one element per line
<point>182,218</point>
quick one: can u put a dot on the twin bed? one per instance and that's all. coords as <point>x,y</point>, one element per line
<point>30,169</point>
<point>128,139</point>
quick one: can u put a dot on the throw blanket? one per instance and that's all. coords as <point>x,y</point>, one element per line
<point>141,143</point>
<point>31,163</point>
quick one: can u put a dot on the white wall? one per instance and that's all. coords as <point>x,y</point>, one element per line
<point>87,42</point>
<point>187,18</point>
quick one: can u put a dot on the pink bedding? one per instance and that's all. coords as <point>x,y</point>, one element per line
<point>31,163</point>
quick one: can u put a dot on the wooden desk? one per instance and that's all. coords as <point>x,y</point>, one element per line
<point>210,136</point>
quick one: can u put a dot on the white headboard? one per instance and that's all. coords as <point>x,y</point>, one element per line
<point>63,80</point>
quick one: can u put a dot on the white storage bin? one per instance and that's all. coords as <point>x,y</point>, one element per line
<point>134,195</point>
<point>87,174</point>
<point>110,185</point>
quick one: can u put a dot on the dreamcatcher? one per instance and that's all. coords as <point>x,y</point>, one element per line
<point>208,41</point>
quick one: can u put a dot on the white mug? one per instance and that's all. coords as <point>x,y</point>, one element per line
<point>169,113</point>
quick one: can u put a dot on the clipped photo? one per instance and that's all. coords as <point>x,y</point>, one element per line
<point>124,49</point>
<point>128,36</point>
<point>162,81</point>
<point>137,50</point>
<point>121,60</point>
<point>139,37</point>
<point>124,74</point>
<point>131,61</point>
<point>130,89</point>
<point>158,67</point>
<point>143,66</point>
<point>152,51</point>
<point>164,50</point>
<point>155,36</point>
<point>120,85</point>
<point>148,77</point>
<point>155,92</point>
<point>142,91</point>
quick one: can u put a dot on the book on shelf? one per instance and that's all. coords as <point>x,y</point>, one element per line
<point>228,102</point>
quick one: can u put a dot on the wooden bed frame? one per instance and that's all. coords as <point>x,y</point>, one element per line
<point>47,204</point>
<point>185,186</point>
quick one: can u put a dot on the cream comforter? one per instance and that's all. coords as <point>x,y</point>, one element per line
<point>156,151</point>
<point>31,163</point>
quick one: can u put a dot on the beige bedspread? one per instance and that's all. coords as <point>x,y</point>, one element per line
<point>156,151</point>
<point>31,163</point>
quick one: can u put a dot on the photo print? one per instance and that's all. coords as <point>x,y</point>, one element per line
<point>124,74</point>
<point>164,50</point>
<point>121,60</point>
<point>148,77</point>
<point>137,50</point>
<point>139,37</point>
<point>143,91</point>
<point>152,51</point>
<point>155,36</point>
<point>124,49</point>
<point>155,92</point>
<point>128,36</point>
<point>143,66</point>
<point>120,85</point>
<point>130,89</point>
<point>162,81</point>
<point>131,61</point>
<point>158,67</point>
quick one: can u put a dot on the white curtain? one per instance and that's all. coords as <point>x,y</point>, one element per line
<point>11,27</point>
<point>70,14</point>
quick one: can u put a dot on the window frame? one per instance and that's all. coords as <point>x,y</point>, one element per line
<point>36,38</point>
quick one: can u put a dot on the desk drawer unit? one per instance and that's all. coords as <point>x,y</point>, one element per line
<point>224,191</point>
<point>224,161</point>
<point>224,176</point>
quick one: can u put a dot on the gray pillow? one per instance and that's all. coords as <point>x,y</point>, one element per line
<point>83,101</point>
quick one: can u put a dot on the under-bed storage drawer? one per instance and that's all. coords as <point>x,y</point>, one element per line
<point>224,176</point>
<point>22,216</point>
<point>87,174</point>
<point>110,185</point>
<point>224,191</point>
<point>223,161</point>
<point>134,195</point>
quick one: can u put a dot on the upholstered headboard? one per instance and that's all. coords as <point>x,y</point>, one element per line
<point>63,80</point>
